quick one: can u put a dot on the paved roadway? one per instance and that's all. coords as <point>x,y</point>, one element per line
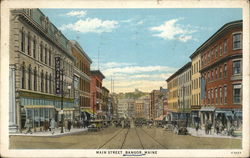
<point>117,138</point>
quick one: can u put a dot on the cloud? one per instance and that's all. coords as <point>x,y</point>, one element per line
<point>93,25</point>
<point>129,76</point>
<point>140,22</point>
<point>170,30</point>
<point>77,13</point>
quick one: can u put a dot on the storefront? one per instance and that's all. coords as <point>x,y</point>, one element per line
<point>207,113</point>
<point>229,117</point>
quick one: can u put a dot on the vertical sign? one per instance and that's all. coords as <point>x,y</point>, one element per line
<point>57,74</point>
<point>203,87</point>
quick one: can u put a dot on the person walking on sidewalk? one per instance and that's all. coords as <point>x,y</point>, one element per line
<point>197,127</point>
<point>69,125</point>
<point>65,125</point>
<point>52,125</point>
<point>28,126</point>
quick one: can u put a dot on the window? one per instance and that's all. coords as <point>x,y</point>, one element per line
<point>45,60</point>
<point>237,67</point>
<point>29,78</point>
<point>41,52</point>
<point>225,94</point>
<point>212,96</point>
<point>237,41</point>
<point>220,75</point>
<point>35,80</point>
<point>29,42</point>
<point>22,40</point>
<point>212,75</point>
<point>221,95</point>
<point>216,51</point>
<point>209,97</point>
<point>225,70</point>
<point>49,58</point>
<point>216,74</point>
<point>23,76</point>
<point>50,83</point>
<point>237,93</point>
<point>221,51</point>
<point>216,96</point>
<point>42,81</point>
<point>34,48</point>
<point>225,46</point>
<point>46,82</point>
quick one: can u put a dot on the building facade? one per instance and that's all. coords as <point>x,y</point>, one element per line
<point>221,71</point>
<point>126,108</point>
<point>196,87</point>
<point>82,80</point>
<point>105,102</point>
<point>179,86</point>
<point>34,44</point>
<point>96,91</point>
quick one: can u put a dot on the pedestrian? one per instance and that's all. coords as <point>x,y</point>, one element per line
<point>196,127</point>
<point>52,125</point>
<point>45,125</point>
<point>28,126</point>
<point>69,125</point>
<point>65,125</point>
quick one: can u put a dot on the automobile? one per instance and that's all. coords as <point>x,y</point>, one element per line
<point>180,127</point>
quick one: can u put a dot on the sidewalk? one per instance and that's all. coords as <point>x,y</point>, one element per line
<point>49,133</point>
<point>201,133</point>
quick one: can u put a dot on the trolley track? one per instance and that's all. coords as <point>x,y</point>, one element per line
<point>109,140</point>
<point>124,140</point>
<point>139,138</point>
<point>154,139</point>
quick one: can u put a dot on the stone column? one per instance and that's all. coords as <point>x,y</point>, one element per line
<point>12,101</point>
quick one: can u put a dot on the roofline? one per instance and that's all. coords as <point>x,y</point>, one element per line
<point>98,72</point>
<point>77,45</point>
<point>217,33</point>
<point>105,88</point>
<point>179,71</point>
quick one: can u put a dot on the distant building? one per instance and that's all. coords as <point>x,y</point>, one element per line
<point>142,107</point>
<point>105,102</point>
<point>126,108</point>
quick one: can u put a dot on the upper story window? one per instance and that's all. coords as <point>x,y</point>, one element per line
<point>237,41</point>
<point>34,47</point>
<point>225,70</point>
<point>221,51</point>
<point>237,67</point>
<point>29,44</point>
<point>237,93</point>
<point>225,46</point>
<point>22,40</point>
<point>41,52</point>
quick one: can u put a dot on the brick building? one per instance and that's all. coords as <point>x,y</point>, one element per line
<point>96,91</point>
<point>81,81</point>
<point>221,71</point>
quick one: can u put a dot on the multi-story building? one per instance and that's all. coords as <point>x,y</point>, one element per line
<point>196,87</point>
<point>96,91</point>
<point>82,80</point>
<point>34,44</point>
<point>156,102</point>
<point>221,71</point>
<point>105,102</point>
<point>179,86</point>
<point>126,108</point>
<point>142,107</point>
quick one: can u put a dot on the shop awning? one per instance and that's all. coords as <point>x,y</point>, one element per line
<point>227,113</point>
<point>90,111</point>
<point>160,118</point>
<point>207,109</point>
<point>238,114</point>
<point>38,106</point>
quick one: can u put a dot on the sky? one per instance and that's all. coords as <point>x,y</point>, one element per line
<point>140,48</point>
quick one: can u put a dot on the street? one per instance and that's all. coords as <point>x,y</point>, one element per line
<point>118,138</point>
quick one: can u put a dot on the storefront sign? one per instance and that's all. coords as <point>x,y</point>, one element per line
<point>57,74</point>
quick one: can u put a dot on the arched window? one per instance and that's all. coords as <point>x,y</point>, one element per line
<point>22,40</point>
<point>42,81</point>
<point>46,82</point>
<point>29,78</point>
<point>49,57</point>
<point>23,75</point>
<point>35,79</point>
